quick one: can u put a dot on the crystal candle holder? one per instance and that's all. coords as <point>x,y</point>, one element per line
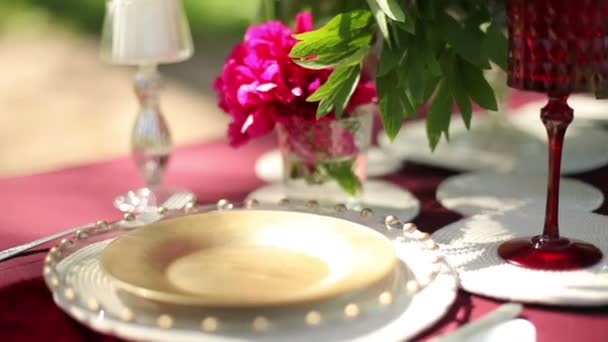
<point>146,33</point>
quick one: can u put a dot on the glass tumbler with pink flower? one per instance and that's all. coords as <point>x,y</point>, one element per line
<point>326,160</point>
<point>262,88</point>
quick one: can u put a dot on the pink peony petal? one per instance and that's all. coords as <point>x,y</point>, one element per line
<point>304,22</point>
<point>314,85</point>
<point>364,94</point>
<point>246,95</point>
<point>271,72</point>
<point>246,124</point>
<point>266,87</point>
<point>297,91</point>
<point>260,84</point>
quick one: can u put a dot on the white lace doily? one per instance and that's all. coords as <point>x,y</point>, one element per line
<point>382,197</point>
<point>587,109</point>
<point>479,193</point>
<point>500,144</point>
<point>470,245</point>
<point>269,167</point>
<point>585,146</point>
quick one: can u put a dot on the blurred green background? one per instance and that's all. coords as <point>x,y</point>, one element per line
<point>208,18</point>
<point>60,105</point>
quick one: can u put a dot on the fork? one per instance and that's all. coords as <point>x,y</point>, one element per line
<point>175,202</point>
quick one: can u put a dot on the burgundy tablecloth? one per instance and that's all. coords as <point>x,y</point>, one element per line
<point>34,206</point>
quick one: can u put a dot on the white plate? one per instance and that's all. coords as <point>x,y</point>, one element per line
<point>82,290</point>
<point>385,198</point>
<point>471,244</point>
<point>500,146</point>
<point>478,193</point>
<point>269,167</point>
<point>587,109</point>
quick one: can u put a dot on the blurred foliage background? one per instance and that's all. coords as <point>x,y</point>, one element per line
<point>61,106</point>
<point>216,25</point>
<point>208,18</point>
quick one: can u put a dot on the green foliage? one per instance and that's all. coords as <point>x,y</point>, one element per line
<point>434,50</point>
<point>344,33</point>
<point>342,172</point>
<point>342,44</point>
<point>208,19</point>
<point>336,92</point>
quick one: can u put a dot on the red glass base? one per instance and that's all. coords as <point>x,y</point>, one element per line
<point>542,254</point>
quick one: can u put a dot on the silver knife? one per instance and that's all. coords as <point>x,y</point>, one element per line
<point>503,313</point>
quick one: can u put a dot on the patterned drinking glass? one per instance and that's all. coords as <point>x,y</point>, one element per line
<point>557,47</point>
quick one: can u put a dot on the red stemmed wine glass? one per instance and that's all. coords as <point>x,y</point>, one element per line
<point>557,47</point>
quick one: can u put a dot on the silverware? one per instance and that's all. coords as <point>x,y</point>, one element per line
<point>8,253</point>
<point>503,313</point>
<point>176,202</point>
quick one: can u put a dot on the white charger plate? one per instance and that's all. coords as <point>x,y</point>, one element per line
<point>382,197</point>
<point>587,109</point>
<point>470,245</point>
<point>82,290</point>
<point>477,193</point>
<point>513,144</point>
<point>269,167</point>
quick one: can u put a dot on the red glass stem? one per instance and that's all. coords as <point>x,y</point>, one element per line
<point>556,117</point>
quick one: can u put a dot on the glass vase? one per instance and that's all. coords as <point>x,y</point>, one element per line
<point>326,160</point>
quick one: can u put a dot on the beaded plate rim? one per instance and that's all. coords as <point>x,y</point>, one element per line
<point>441,280</point>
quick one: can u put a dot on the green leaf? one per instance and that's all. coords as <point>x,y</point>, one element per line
<point>344,32</point>
<point>495,46</point>
<point>343,173</point>
<point>391,9</point>
<point>477,86</point>
<point>337,77</point>
<point>438,119</point>
<point>428,8</point>
<point>346,91</point>
<point>351,57</point>
<point>338,89</point>
<point>431,85</point>
<point>394,105</point>
<point>463,101</point>
<point>419,71</point>
<point>389,59</point>
<point>465,43</point>
<point>325,106</point>
<point>414,73</point>
<point>408,25</point>
<point>453,77</point>
<point>380,19</point>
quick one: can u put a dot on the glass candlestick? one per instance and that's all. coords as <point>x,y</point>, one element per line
<point>146,34</point>
<point>556,47</point>
<point>150,145</point>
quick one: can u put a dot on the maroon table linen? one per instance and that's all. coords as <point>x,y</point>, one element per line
<point>37,205</point>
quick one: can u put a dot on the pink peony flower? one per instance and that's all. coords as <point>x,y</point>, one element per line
<point>261,85</point>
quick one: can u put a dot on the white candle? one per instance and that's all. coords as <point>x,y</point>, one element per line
<point>139,32</point>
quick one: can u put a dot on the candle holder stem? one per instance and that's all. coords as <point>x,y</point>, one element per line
<point>150,146</point>
<point>556,116</point>
<point>150,139</point>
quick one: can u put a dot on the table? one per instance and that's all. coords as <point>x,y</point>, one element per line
<point>37,205</point>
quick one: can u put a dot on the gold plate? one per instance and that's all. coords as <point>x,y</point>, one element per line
<point>247,258</point>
